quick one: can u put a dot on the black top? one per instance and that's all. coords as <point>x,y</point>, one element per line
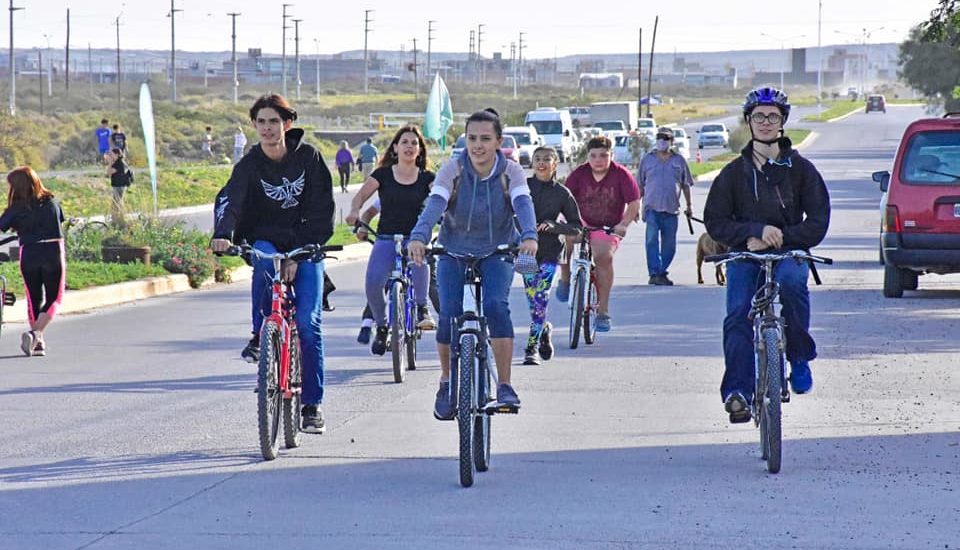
<point>789,194</point>
<point>550,200</point>
<point>119,140</point>
<point>35,222</point>
<point>119,177</point>
<point>400,204</point>
<point>287,203</point>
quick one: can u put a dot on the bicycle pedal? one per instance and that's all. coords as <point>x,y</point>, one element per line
<point>500,408</point>
<point>9,299</point>
<point>784,396</point>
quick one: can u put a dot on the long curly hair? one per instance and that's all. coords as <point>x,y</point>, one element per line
<point>390,157</point>
<point>26,187</point>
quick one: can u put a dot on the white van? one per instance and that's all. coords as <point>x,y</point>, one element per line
<point>555,127</point>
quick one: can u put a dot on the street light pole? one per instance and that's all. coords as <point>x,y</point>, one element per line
<point>283,55</point>
<point>296,52</point>
<point>173,53</point>
<point>233,57</point>
<point>366,64</point>
<point>819,59</point>
<point>13,69</point>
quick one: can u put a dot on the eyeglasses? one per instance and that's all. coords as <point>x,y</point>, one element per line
<point>664,136</point>
<point>772,118</point>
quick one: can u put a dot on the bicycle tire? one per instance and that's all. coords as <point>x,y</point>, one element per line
<point>481,442</point>
<point>576,308</point>
<point>590,314</point>
<point>397,336</point>
<point>772,402</point>
<point>268,391</point>
<point>291,407</point>
<point>466,398</point>
<point>412,348</point>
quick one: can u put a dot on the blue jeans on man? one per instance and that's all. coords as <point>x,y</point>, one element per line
<point>497,275</point>
<point>308,291</point>
<point>661,241</point>
<point>743,280</point>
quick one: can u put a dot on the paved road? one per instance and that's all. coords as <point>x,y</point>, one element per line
<point>138,430</point>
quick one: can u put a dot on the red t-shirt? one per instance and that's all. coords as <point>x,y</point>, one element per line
<point>602,202</point>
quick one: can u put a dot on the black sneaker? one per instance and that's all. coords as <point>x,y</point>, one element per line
<point>312,419</point>
<point>530,355</point>
<point>739,408</point>
<point>364,336</point>
<point>443,406</point>
<point>665,281</point>
<point>379,345</point>
<point>251,353</point>
<point>546,345</point>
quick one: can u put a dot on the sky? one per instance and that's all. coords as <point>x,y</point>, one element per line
<point>555,28</point>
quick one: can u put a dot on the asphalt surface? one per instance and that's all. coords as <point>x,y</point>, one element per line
<point>139,427</point>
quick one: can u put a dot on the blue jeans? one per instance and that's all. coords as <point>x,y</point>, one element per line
<point>661,241</point>
<point>497,274</point>
<point>379,267</point>
<point>743,280</point>
<point>308,290</point>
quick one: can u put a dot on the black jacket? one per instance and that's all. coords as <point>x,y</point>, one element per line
<point>34,222</point>
<point>550,200</point>
<point>789,194</point>
<point>288,203</point>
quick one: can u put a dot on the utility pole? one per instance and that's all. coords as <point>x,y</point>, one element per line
<point>513,61</point>
<point>296,52</point>
<point>640,70</point>
<point>416,76</point>
<point>429,47</point>
<point>819,59</point>
<point>67,54</point>
<point>283,57</point>
<point>317,42</point>
<point>50,71</point>
<point>173,52</point>
<point>13,69</point>
<point>233,57</point>
<point>479,61</point>
<point>118,59</point>
<point>40,80</point>
<point>520,48</point>
<point>90,66</point>
<point>653,44</point>
<point>366,65</point>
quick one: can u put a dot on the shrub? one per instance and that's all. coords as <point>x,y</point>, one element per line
<point>195,261</point>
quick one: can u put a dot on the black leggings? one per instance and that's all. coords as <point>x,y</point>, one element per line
<point>344,170</point>
<point>43,267</point>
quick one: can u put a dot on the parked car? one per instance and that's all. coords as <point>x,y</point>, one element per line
<point>622,151</point>
<point>920,207</point>
<point>459,146</point>
<point>876,103</point>
<point>648,127</point>
<point>508,146</point>
<point>527,140</point>
<point>611,128</point>
<point>713,134</point>
<point>681,142</point>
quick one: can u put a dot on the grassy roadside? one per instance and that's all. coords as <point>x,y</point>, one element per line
<point>86,274</point>
<point>834,110</point>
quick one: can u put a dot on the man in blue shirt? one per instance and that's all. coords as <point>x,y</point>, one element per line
<point>103,138</point>
<point>367,158</point>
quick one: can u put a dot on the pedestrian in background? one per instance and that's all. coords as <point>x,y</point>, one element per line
<point>103,139</point>
<point>239,144</point>
<point>36,217</point>
<point>662,177</point>
<point>118,139</point>
<point>120,178</point>
<point>367,158</point>
<point>206,146</point>
<point>344,162</point>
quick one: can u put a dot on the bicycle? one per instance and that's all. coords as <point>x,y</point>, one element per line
<point>8,298</point>
<point>401,309</point>
<point>584,300</point>
<point>770,345</point>
<point>472,381</point>
<point>279,369</point>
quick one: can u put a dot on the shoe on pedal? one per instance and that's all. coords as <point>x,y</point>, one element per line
<point>530,355</point>
<point>507,397</point>
<point>563,290</point>
<point>424,319</point>
<point>546,345</point>
<point>603,322</point>
<point>312,419</point>
<point>364,336</point>
<point>801,379</point>
<point>739,408</point>
<point>443,406</point>
<point>251,353</point>
<point>379,345</point>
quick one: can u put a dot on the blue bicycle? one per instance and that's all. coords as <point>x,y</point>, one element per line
<point>401,309</point>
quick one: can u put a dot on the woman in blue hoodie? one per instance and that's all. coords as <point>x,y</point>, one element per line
<point>478,215</point>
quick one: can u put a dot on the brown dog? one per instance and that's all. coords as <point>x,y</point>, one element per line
<point>707,247</point>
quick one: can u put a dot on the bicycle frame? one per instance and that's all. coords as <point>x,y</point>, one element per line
<point>764,316</point>
<point>402,275</point>
<point>283,313</point>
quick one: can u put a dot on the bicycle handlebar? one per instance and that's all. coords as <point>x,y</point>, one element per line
<point>359,224</point>
<point>768,256</point>
<point>6,240</point>
<point>311,251</point>
<point>503,249</point>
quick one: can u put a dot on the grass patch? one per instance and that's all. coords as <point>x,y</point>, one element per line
<point>835,110</point>
<point>797,135</point>
<point>86,274</point>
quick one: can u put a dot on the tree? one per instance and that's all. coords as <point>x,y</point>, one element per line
<point>942,21</point>
<point>930,57</point>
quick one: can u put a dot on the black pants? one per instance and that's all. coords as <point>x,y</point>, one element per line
<point>43,270</point>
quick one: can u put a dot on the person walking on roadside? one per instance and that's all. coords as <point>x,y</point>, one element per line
<point>662,177</point>
<point>344,163</point>
<point>36,217</point>
<point>120,179</point>
<point>280,197</point>
<point>607,196</point>
<point>483,197</point>
<point>206,144</point>
<point>769,198</point>
<point>552,203</point>
<point>239,144</point>
<point>367,158</point>
<point>118,139</point>
<point>402,183</point>
<point>103,139</point>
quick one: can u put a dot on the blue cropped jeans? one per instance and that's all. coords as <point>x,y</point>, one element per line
<point>496,273</point>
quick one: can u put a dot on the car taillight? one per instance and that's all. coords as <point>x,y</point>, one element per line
<point>891,221</point>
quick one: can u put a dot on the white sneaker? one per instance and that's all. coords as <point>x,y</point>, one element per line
<point>27,343</point>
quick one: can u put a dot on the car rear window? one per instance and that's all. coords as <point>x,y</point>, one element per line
<point>932,158</point>
<point>711,128</point>
<point>621,141</point>
<point>522,139</point>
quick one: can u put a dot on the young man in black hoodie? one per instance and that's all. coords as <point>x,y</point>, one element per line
<point>770,198</point>
<point>280,197</point>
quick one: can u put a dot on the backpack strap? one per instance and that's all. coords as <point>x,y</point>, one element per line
<point>504,184</point>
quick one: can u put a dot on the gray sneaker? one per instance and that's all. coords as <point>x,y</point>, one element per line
<point>603,322</point>
<point>312,419</point>
<point>506,396</point>
<point>443,406</point>
<point>27,342</point>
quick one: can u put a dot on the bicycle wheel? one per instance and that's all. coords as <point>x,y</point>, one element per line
<point>466,397</point>
<point>481,434</point>
<point>398,339</point>
<point>771,401</point>
<point>590,314</point>
<point>291,406</point>
<point>412,337</point>
<point>576,307</point>
<point>268,390</point>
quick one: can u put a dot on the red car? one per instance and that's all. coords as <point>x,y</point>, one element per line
<point>876,103</point>
<point>509,148</point>
<point>920,208</point>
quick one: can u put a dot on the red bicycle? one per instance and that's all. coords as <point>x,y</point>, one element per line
<point>279,370</point>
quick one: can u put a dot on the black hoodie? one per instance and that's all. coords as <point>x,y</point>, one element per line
<point>288,203</point>
<point>789,194</point>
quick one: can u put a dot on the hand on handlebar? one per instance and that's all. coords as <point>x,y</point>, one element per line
<point>756,245</point>
<point>288,270</point>
<point>529,247</point>
<point>416,250</point>
<point>773,236</point>
<point>220,245</point>
<point>352,217</point>
<point>620,230</point>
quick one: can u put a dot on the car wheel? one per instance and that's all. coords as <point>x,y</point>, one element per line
<point>910,279</point>
<point>892,283</point>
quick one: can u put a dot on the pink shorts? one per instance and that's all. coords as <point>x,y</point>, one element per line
<point>602,236</point>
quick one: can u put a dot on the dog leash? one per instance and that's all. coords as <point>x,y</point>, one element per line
<point>690,220</point>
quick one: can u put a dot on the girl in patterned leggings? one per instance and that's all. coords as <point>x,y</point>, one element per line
<point>552,203</point>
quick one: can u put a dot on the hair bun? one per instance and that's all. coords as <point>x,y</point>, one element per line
<point>492,111</point>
